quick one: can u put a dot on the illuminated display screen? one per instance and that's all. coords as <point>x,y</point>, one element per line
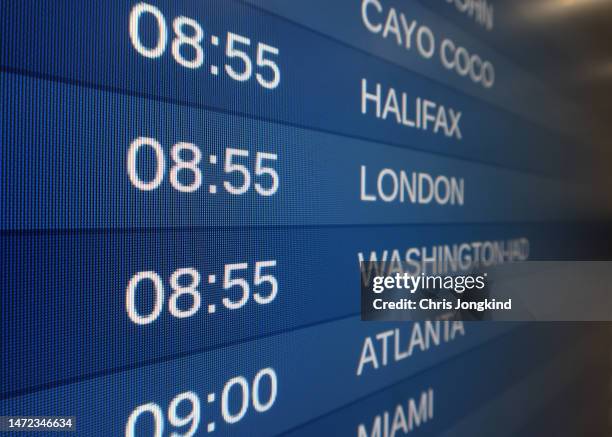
<point>188,189</point>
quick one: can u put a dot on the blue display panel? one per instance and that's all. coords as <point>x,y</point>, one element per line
<point>246,390</point>
<point>187,189</point>
<point>129,162</point>
<point>329,353</point>
<point>150,296</point>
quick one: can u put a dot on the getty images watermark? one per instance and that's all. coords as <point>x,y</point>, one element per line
<point>516,291</point>
<point>401,296</point>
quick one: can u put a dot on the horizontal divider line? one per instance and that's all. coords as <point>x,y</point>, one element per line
<point>159,360</point>
<point>148,230</point>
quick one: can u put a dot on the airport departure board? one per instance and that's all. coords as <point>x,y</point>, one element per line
<point>189,187</point>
